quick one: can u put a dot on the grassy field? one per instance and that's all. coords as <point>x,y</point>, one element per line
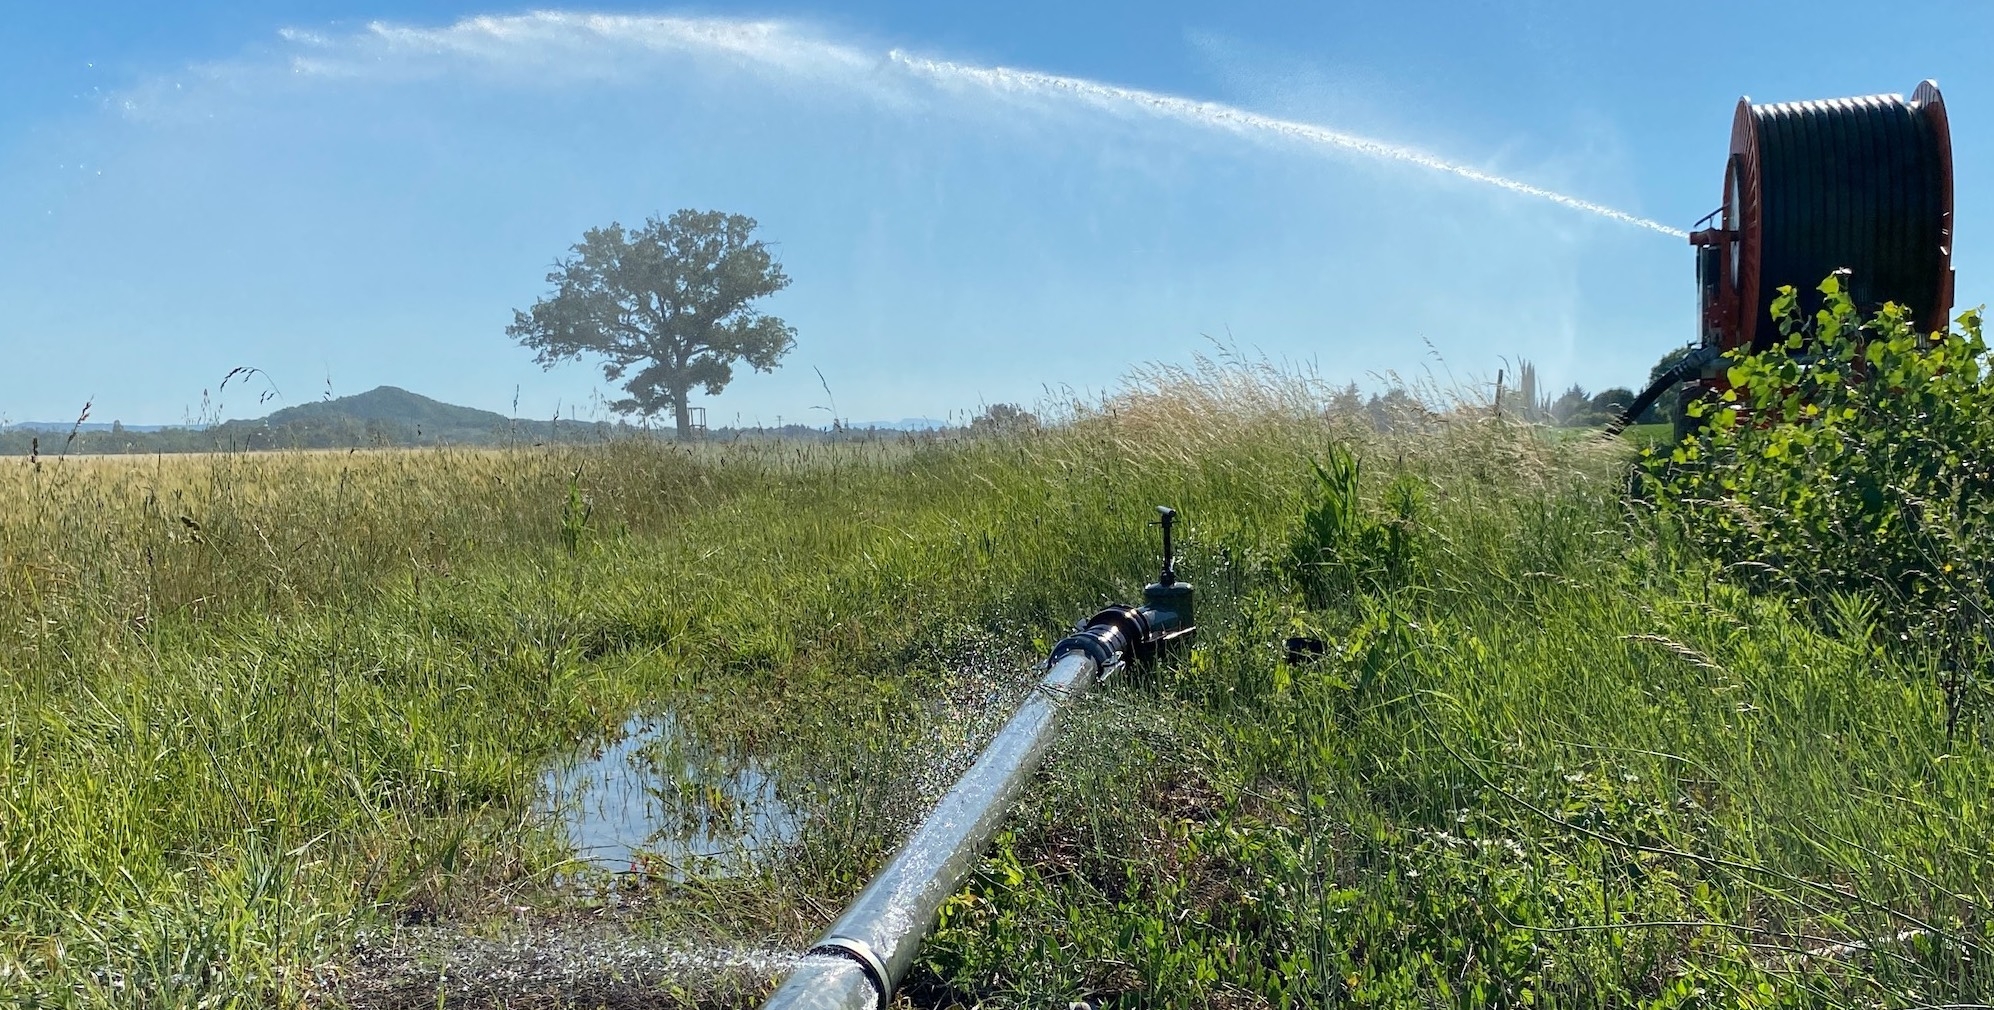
<point>274,724</point>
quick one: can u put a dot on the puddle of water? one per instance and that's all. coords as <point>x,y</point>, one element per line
<point>654,799</point>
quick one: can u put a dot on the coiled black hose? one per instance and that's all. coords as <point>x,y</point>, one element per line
<point>1850,183</point>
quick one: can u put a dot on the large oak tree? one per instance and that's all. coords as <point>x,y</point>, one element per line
<point>670,305</point>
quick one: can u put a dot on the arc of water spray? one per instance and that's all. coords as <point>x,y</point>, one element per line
<point>539,41</point>
<point>1226,117</point>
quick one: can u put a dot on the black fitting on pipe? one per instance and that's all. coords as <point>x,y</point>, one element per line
<point>1105,638</point>
<point>1131,636</point>
<point>1302,649</point>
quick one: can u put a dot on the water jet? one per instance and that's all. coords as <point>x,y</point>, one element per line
<point>862,957</point>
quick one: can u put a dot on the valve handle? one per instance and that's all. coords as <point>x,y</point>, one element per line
<point>1165,516</point>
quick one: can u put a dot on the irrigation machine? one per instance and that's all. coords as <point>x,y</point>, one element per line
<point>1810,188</point>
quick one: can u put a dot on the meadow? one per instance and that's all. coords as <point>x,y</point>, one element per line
<point>274,724</point>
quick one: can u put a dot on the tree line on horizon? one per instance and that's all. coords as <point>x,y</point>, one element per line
<point>1577,408</point>
<point>354,433</point>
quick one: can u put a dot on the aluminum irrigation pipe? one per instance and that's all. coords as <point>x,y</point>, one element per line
<point>865,954</point>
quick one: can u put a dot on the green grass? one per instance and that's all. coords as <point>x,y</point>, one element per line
<point>1649,435</point>
<point>260,709</point>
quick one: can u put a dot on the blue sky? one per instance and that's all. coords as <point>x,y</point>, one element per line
<point>977,203</point>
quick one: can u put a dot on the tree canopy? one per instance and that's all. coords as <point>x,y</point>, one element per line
<point>669,307</point>
<point>1003,417</point>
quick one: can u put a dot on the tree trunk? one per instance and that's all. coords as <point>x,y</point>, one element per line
<point>682,413</point>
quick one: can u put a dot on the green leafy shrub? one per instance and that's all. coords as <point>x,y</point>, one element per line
<point>1853,459</point>
<point>1339,548</point>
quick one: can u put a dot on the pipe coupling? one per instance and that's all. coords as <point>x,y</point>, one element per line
<point>1094,645</point>
<point>854,949</point>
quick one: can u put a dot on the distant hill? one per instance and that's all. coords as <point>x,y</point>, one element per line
<point>384,416</point>
<point>390,405</point>
<point>381,417</point>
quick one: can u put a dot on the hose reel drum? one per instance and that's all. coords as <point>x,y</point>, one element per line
<point>1862,184</point>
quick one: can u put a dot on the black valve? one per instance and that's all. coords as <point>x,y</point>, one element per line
<point>1139,636</point>
<point>1166,602</point>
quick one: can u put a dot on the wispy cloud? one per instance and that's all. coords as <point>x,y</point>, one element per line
<point>553,48</point>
